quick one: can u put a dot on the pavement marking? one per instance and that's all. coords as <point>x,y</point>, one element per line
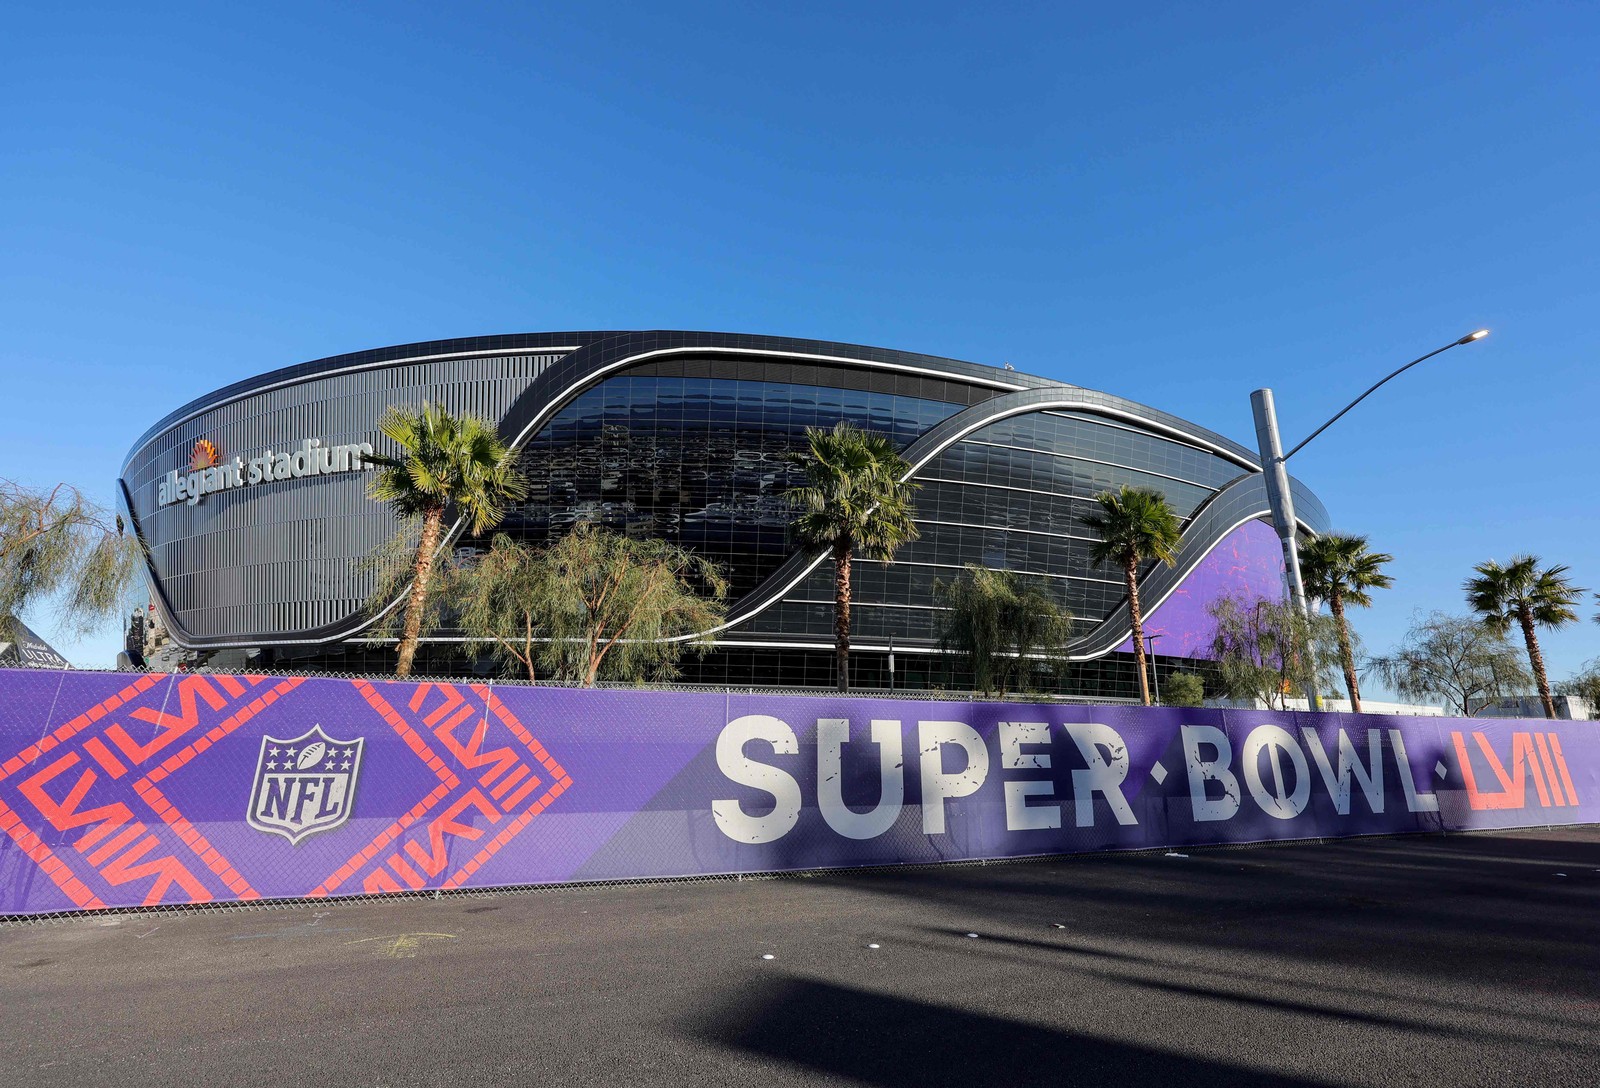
<point>402,946</point>
<point>296,931</point>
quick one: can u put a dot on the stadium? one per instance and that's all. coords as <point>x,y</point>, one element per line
<point>252,499</point>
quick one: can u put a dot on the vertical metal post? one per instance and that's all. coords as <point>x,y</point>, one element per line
<point>1281,503</point>
<point>1155,675</point>
<point>891,662</point>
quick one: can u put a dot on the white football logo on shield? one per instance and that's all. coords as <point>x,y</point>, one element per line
<point>304,785</point>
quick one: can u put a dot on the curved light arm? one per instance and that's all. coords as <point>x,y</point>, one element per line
<point>1469,338</point>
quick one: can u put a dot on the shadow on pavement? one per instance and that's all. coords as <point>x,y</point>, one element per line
<point>899,1043</point>
<point>1456,908</point>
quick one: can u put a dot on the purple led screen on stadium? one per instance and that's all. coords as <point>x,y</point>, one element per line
<point>1247,563</point>
<point>142,789</point>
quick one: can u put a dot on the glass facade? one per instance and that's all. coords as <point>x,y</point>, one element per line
<point>702,461</point>
<point>1010,496</point>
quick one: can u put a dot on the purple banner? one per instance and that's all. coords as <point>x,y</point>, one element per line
<point>126,790</point>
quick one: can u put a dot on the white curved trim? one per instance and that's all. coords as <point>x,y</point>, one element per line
<point>745,644</point>
<point>1008,529</point>
<point>541,417</point>
<point>1014,570</point>
<point>1058,413</point>
<point>874,647</point>
<point>1090,460</point>
<point>557,401</point>
<point>1188,570</point>
<point>1096,409</point>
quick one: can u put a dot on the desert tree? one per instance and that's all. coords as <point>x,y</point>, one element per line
<point>1585,685</point>
<point>1184,689</point>
<point>58,548</point>
<point>1265,649</point>
<point>613,607</point>
<point>1454,659</point>
<point>502,601</point>
<point>995,624</point>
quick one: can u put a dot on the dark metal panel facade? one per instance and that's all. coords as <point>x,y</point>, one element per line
<point>281,560</point>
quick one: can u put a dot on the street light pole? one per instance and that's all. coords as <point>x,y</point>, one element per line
<point>1281,503</point>
<point>1155,676</point>
<point>1273,459</point>
<point>1279,499</point>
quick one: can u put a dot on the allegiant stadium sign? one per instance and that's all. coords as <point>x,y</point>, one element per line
<point>208,472</point>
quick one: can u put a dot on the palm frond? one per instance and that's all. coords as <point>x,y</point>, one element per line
<point>855,493</point>
<point>1500,594</point>
<point>1335,564</point>
<point>442,460</point>
<point>1136,525</point>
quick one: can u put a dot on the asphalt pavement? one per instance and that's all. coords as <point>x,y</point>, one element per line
<point>1468,959</point>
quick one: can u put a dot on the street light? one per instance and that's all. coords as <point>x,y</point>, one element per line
<point>1277,476</point>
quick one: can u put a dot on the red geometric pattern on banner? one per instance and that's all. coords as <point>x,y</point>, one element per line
<point>486,794</point>
<point>560,781</point>
<point>113,849</point>
<point>413,739</point>
<point>146,789</point>
<point>408,854</point>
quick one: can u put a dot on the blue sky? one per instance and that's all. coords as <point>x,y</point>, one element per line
<point>1177,204</point>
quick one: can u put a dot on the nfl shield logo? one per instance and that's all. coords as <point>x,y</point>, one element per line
<point>304,785</point>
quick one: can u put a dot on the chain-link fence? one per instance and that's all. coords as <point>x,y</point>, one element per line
<point>926,694</point>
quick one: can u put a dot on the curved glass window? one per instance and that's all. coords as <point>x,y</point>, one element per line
<point>699,461</point>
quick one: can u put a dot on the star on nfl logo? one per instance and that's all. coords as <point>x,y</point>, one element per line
<point>304,785</point>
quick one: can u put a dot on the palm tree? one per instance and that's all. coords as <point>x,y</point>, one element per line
<point>855,500</point>
<point>1521,593</point>
<point>443,461</point>
<point>1340,570</point>
<point>1136,525</point>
